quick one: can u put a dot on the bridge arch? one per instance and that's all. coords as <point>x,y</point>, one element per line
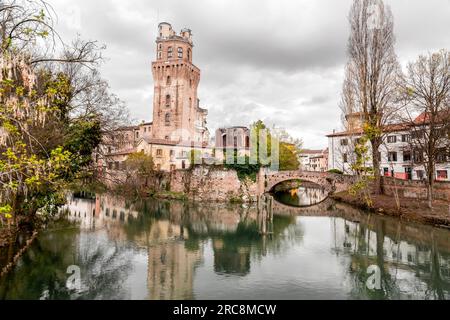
<point>304,183</point>
<point>330,182</point>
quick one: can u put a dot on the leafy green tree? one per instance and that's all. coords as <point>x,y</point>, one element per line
<point>288,157</point>
<point>139,169</point>
<point>244,168</point>
<point>141,163</point>
<point>50,115</point>
<point>195,157</point>
<point>363,172</point>
<point>261,142</point>
<point>288,148</point>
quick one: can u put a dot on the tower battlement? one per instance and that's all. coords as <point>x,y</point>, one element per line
<point>166,32</point>
<point>172,46</point>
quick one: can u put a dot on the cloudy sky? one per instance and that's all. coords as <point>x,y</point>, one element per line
<point>279,61</point>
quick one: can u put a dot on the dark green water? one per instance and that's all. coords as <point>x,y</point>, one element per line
<point>161,250</point>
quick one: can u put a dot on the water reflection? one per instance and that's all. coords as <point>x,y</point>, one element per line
<point>174,250</point>
<point>414,261</point>
<point>301,196</point>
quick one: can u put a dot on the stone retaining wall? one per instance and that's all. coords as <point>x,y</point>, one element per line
<point>416,189</point>
<point>205,183</point>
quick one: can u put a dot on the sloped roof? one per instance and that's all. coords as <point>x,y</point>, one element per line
<point>123,152</point>
<point>424,117</point>
<point>309,151</point>
<point>388,128</point>
<point>172,143</point>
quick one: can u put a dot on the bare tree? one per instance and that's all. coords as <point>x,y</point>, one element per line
<point>27,27</point>
<point>369,87</point>
<point>426,89</point>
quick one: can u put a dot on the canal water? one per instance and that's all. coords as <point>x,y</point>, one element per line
<point>111,248</point>
<point>301,196</point>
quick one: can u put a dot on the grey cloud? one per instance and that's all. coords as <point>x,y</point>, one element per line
<point>279,61</point>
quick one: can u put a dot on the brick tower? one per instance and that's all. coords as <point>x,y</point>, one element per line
<point>177,115</point>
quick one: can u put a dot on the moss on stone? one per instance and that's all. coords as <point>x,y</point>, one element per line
<point>236,200</point>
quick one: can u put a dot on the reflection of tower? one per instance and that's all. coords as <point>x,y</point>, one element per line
<point>234,260</point>
<point>171,266</point>
<point>265,215</point>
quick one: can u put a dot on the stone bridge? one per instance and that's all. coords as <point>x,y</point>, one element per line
<point>330,182</point>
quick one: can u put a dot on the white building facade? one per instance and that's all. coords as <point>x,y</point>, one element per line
<point>314,160</point>
<point>397,158</point>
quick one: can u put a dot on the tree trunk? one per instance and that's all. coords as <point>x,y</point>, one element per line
<point>16,209</point>
<point>430,185</point>
<point>377,189</point>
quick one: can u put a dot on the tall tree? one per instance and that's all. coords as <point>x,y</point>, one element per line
<point>426,89</point>
<point>371,72</point>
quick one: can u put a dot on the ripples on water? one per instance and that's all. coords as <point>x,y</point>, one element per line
<point>174,250</point>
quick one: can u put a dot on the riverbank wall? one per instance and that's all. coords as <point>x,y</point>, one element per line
<point>201,183</point>
<point>212,183</point>
<point>415,189</point>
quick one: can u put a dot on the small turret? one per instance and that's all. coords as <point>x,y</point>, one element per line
<point>165,30</point>
<point>186,34</point>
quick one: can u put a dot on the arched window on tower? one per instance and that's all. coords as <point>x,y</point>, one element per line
<point>189,54</point>
<point>169,81</point>
<point>167,119</point>
<point>170,52</point>
<point>168,101</point>
<point>180,53</point>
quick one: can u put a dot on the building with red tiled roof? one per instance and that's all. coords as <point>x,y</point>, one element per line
<point>314,160</point>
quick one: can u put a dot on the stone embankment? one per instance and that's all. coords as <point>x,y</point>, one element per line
<point>415,189</point>
<point>209,183</point>
<point>409,209</point>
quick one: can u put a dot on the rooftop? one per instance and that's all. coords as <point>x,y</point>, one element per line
<point>123,152</point>
<point>309,151</point>
<point>172,143</point>
<point>234,127</point>
<point>422,119</point>
<point>359,131</point>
